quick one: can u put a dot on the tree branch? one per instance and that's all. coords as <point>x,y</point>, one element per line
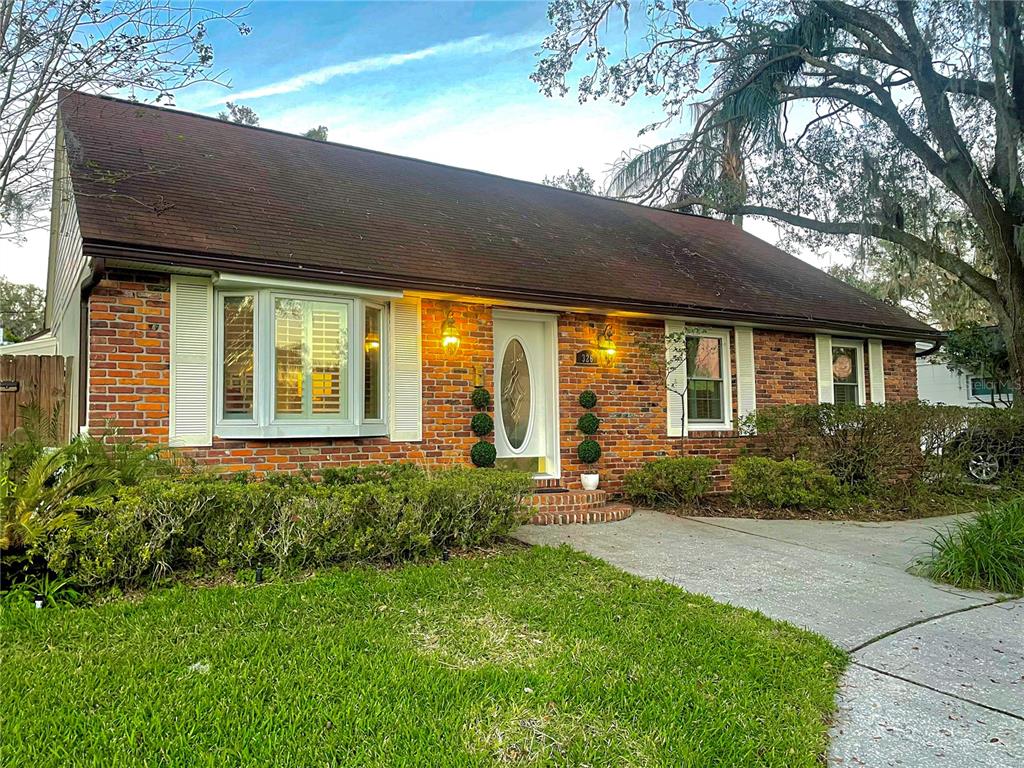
<point>981,284</point>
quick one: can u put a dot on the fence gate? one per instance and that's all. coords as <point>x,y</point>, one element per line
<point>35,387</point>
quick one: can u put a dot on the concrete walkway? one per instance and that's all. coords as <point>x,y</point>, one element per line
<point>938,673</point>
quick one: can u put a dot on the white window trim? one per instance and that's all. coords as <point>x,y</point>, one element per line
<point>264,425</point>
<point>726,423</point>
<point>858,344</point>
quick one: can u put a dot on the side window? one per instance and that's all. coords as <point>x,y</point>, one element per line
<point>847,375</point>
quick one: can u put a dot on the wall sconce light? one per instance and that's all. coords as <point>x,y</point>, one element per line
<point>450,335</point>
<point>372,341</point>
<point>606,346</point>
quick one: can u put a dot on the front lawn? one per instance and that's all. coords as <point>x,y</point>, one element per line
<point>527,657</point>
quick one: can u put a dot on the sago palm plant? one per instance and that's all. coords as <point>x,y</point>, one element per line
<point>49,494</point>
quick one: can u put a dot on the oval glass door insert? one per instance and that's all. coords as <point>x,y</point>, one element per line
<point>516,401</point>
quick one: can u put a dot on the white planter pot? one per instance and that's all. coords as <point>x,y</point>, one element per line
<point>590,480</point>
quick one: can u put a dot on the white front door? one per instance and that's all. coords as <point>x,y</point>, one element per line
<point>526,391</point>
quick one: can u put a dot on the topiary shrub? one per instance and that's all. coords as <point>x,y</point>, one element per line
<point>589,451</point>
<point>483,454</point>
<point>670,482</point>
<point>587,398</point>
<point>481,398</point>
<point>588,424</point>
<point>786,484</point>
<point>482,425</point>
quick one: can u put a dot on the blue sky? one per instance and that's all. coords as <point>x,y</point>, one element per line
<point>443,81</point>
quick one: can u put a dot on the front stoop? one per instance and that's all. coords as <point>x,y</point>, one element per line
<point>558,506</point>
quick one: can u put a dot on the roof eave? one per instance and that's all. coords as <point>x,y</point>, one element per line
<point>222,262</point>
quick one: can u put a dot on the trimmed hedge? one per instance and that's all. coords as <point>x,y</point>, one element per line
<point>670,482</point>
<point>372,514</point>
<point>787,484</point>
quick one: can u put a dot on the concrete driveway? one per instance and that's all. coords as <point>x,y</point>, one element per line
<point>938,673</point>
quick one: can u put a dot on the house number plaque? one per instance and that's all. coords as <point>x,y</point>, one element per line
<point>9,385</point>
<point>585,357</point>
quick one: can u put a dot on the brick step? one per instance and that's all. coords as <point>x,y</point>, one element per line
<point>562,500</point>
<point>605,513</point>
<point>547,483</point>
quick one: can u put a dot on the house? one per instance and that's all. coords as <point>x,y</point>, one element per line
<point>270,302</point>
<point>939,384</point>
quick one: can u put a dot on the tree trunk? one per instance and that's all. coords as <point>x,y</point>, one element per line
<point>1011,323</point>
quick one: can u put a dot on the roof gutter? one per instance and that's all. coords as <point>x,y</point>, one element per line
<point>102,250</point>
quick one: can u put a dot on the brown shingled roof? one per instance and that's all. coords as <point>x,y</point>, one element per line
<point>190,189</point>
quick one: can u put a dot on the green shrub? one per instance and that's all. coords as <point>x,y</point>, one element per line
<point>483,454</point>
<point>589,451</point>
<point>371,473</point>
<point>670,482</point>
<point>588,424</point>
<point>986,552</point>
<point>588,399</point>
<point>481,398</point>
<point>880,446</point>
<point>482,425</point>
<point>159,526</point>
<point>786,484</point>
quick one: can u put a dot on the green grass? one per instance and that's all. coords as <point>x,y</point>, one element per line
<point>525,658</point>
<point>986,552</point>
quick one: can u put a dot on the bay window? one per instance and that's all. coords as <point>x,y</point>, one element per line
<point>286,367</point>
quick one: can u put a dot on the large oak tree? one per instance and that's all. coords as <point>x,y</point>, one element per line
<point>894,127</point>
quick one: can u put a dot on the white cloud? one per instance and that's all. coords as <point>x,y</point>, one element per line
<point>526,138</point>
<point>479,44</point>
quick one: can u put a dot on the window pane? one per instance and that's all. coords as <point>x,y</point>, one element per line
<point>704,358</point>
<point>704,400</point>
<point>310,358</point>
<point>846,394</point>
<point>371,367</point>
<point>844,365</point>
<point>238,357</point>
<point>288,356</point>
<point>327,358</point>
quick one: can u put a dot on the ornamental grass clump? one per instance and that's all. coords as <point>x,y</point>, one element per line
<point>986,552</point>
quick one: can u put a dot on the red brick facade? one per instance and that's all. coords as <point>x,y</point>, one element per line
<point>129,332</point>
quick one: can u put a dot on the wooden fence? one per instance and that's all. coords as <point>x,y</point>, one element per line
<point>35,387</point>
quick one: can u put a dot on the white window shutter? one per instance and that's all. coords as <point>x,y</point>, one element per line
<point>745,388</point>
<point>876,370</point>
<point>823,343</point>
<point>191,409</point>
<point>675,402</point>
<point>406,375</point>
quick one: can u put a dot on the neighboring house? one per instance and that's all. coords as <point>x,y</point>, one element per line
<point>939,384</point>
<point>270,302</point>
